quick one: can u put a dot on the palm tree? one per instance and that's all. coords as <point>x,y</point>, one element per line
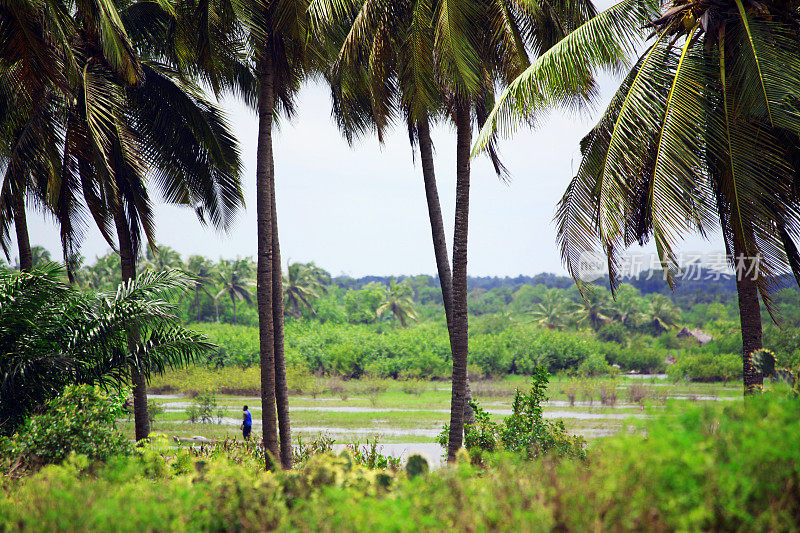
<point>134,116</point>
<point>36,59</point>
<point>399,302</point>
<point>235,276</point>
<point>202,270</point>
<point>552,311</point>
<point>660,312</point>
<point>595,308</point>
<point>702,132</point>
<point>279,39</point>
<point>302,285</point>
<point>160,259</point>
<point>451,55</point>
<point>627,305</point>
<point>55,335</point>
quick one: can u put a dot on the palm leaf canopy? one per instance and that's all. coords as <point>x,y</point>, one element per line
<point>417,58</point>
<point>703,131</point>
<point>53,335</point>
<point>127,115</point>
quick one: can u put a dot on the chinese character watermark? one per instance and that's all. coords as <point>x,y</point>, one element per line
<point>592,266</point>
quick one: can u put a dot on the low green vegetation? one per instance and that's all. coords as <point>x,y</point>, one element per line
<point>704,467</point>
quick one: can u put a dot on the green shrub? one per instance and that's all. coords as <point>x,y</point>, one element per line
<point>81,420</point>
<point>706,367</point>
<point>613,332</point>
<point>702,467</point>
<point>525,431</point>
<point>594,365</point>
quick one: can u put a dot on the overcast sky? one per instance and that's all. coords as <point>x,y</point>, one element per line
<point>361,210</point>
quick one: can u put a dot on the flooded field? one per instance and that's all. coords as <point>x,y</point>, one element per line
<point>407,419</point>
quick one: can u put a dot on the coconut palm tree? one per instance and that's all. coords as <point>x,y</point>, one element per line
<point>451,53</point>
<point>627,305</point>
<point>302,285</point>
<point>399,301</point>
<point>702,133</point>
<point>133,117</point>
<point>160,259</point>
<point>552,311</point>
<point>235,278</point>
<point>202,270</point>
<point>281,54</point>
<point>660,312</point>
<point>595,308</point>
<point>36,60</point>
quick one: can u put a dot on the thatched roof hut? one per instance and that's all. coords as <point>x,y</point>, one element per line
<point>697,334</point>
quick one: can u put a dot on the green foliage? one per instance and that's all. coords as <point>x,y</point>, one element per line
<point>204,409</point>
<point>613,332</point>
<point>81,420</point>
<point>524,432</point>
<point>53,335</point>
<point>702,467</point>
<point>416,466</point>
<point>370,456</point>
<point>362,305</point>
<point>706,366</point>
<point>594,365</point>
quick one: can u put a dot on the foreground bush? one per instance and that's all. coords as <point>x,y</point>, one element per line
<point>81,420</point>
<point>707,467</point>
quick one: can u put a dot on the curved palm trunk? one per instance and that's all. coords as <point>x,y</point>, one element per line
<point>460,324</point>
<point>127,257</point>
<point>21,228</point>
<point>266,326</point>
<point>235,318</point>
<point>439,240</point>
<point>750,319</point>
<point>281,389</point>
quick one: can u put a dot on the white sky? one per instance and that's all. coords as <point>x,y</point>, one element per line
<point>362,210</point>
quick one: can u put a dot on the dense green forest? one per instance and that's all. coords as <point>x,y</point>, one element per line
<point>394,327</point>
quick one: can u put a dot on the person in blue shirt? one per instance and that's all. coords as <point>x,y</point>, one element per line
<point>247,423</point>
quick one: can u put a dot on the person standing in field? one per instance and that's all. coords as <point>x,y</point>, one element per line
<point>247,423</point>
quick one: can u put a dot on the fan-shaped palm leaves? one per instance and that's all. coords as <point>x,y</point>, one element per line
<point>202,270</point>
<point>302,285</point>
<point>160,259</point>
<point>660,313</point>
<point>594,309</point>
<point>399,302</point>
<point>121,120</point>
<point>52,335</point>
<point>235,278</point>
<point>628,306</point>
<point>553,311</point>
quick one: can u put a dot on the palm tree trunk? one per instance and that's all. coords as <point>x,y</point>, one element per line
<point>750,319</point>
<point>235,318</point>
<point>266,326</point>
<point>439,239</point>
<point>216,309</point>
<point>127,257</point>
<point>21,227</point>
<point>458,340</point>
<point>281,388</point>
